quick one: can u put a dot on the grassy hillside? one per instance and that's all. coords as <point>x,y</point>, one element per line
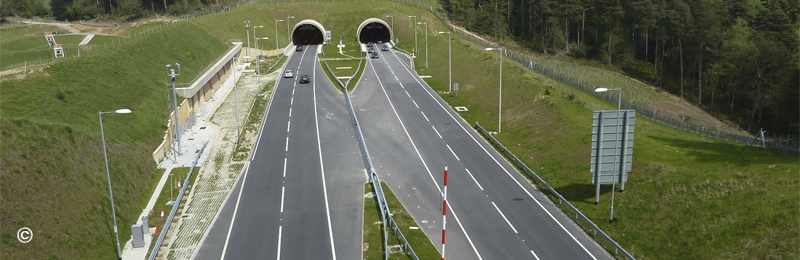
<point>53,176</point>
<point>688,197</point>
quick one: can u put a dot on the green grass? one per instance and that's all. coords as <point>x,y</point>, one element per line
<point>170,193</point>
<point>688,196</point>
<point>373,233</point>
<point>53,173</point>
<point>242,150</point>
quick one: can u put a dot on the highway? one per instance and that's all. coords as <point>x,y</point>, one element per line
<point>494,213</point>
<point>301,197</point>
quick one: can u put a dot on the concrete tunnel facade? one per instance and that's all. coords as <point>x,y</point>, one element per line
<point>374,30</point>
<point>308,32</point>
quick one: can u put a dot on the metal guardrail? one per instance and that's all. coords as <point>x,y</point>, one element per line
<point>561,200</point>
<point>386,214</point>
<point>164,231</point>
<point>276,63</point>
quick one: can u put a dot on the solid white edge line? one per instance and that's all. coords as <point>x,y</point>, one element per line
<point>473,178</point>
<point>425,164</point>
<point>437,132</point>
<point>233,218</point>
<point>534,255</point>
<point>451,150</point>
<point>423,114</point>
<point>504,217</point>
<point>322,167</point>
<point>280,233</point>
<point>415,103</point>
<point>498,163</point>
<point>283,191</point>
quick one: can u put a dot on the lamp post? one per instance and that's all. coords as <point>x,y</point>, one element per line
<point>171,73</point>
<point>389,16</point>
<point>236,102</point>
<point>288,35</point>
<point>247,28</point>
<point>258,52</point>
<point>426,43</point>
<point>108,174</point>
<point>450,61</point>
<point>616,167</point>
<point>276,35</point>
<point>414,55</point>
<point>500,106</point>
<point>258,64</point>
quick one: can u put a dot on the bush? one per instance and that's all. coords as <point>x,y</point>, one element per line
<point>548,91</point>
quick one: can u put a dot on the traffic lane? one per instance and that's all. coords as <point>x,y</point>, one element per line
<point>460,138</point>
<point>344,167</point>
<point>405,177</point>
<point>465,195</point>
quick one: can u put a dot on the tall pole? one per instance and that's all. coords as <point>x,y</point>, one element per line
<point>500,106</point>
<point>444,209</point>
<point>172,75</point>
<point>414,55</point>
<point>392,23</point>
<point>236,101</point>
<point>255,40</point>
<point>276,35</point>
<point>247,28</point>
<point>616,161</point>
<point>289,35</point>
<point>449,61</point>
<point>108,175</point>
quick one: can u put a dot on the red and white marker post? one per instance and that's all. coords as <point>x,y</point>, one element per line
<point>444,209</point>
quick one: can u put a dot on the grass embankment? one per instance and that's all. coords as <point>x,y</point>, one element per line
<point>242,151</point>
<point>169,193</point>
<point>688,196</point>
<point>373,229</point>
<point>53,173</point>
<point>344,65</point>
<point>22,44</point>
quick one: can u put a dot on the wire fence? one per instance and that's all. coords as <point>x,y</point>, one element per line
<point>637,99</point>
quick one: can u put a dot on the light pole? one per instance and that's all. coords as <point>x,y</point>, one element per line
<point>171,73</point>
<point>500,106</point>
<point>616,167</point>
<point>414,55</point>
<point>236,101</point>
<point>254,35</point>
<point>258,52</point>
<point>288,35</point>
<point>108,174</point>
<point>426,43</point>
<point>276,35</point>
<point>449,60</point>
<point>389,16</point>
<point>258,64</point>
<point>247,28</point>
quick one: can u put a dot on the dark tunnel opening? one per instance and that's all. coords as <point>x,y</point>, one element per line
<point>375,32</point>
<point>307,34</point>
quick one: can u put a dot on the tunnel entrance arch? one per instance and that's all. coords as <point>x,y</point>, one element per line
<point>374,30</point>
<point>308,32</point>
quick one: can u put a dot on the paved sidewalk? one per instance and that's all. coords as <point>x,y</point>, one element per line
<point>191,142</point>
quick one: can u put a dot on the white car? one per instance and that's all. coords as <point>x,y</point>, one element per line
<point>288,74</point>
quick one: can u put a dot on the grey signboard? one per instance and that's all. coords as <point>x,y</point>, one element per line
<point>612,134</point>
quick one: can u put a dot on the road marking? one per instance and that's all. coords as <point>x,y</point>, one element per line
<point>284,167</point>
<point>437,132</point>
<point>534,255</point>
<point>235,210</point>
<point>322,170</point>
<point>280,232</point>
<point>291,102</point>
<point>290,112</point>
<point>423,114</point>
<point>409,95</point>
<point>288,126</point>
<point>287,144</point>
<point>504,217</point>
<point>395,78</point>
<point>473,178</point>
<point>498,162</point>
<point>283,191</point>
<point>474,249</point>
<point>293,91</point>
<point>451,150</point>
<point>415,103</point>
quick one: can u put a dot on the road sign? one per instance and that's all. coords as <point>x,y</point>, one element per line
<point>612,146</point>
<point>327,35</point>
<point>455,86</point>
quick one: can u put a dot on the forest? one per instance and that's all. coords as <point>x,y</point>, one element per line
<point>737,59</point>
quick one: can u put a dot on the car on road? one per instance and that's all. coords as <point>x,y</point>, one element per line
<point>305,79</point>
<point>374,55</point>
<point>369,44</point>
<point>299,48</point>
<point>371,50</point>
<point>385,47</point>
<point>288,74</point>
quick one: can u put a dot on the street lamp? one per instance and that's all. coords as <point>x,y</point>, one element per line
<point>288,35</point>
<point>276,35</point>
<point>500,106</point>
<point>616,167</point>
<point>389,16</point>
<point>247,28</point>
<point>449,60</point>
<point>236,101</point>
<point>414,55</point>
<point>108,174</point>
<point>171,73</point>
<point>258,63</point>
<point>426,43</point>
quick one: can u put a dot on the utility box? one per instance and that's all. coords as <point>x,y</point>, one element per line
<point>145,225</point>
<point>138,236</point>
